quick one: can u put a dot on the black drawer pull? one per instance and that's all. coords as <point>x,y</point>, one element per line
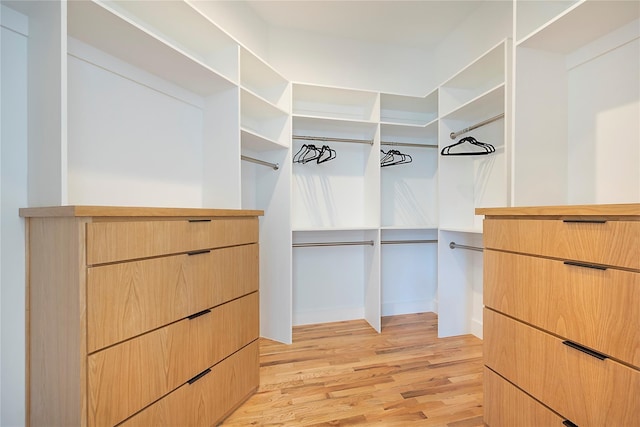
<point>198,314</point>
<point>199,220</point>
<point>584,350</point>
<point>586,221</point>
<point>200,375</point>
<point>585,265</point>
<point>205,251</point>
<point>569,423</point>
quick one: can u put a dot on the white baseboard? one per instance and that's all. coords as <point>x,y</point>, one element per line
<point>476,328</point>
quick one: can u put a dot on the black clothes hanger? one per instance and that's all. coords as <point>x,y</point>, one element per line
<point>394,157</point>
<point>326,154</point>
<point>309,152</point>
<point>485,148</point>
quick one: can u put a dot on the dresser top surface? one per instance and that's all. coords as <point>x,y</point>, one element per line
<point>626,210</point>
<point>133,211</point>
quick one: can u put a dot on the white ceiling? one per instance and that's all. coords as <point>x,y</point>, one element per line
<point>417,23</point>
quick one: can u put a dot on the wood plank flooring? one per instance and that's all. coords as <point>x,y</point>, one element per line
<point>345,373</point>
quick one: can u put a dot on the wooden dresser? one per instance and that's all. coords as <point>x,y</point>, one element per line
<point>140,316</point>
<point>562,316</point>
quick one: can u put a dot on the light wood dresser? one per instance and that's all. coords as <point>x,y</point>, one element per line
<point>140,316</point>
<point>562,316</point>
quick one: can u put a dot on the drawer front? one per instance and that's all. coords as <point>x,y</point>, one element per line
<point>119,241</point>
<point>614,243</point>
<point>209,399</point>
<point>592,307</point>
<point>126,377</point>
<point>505,405</point>
<point>584,389</point>
<point>130,298</point>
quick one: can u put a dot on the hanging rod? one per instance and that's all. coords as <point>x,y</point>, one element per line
<point>407,144</point>
<point>454,135</point>
<point>275,166</point>
<point>454,245</point>
<point>328,139</point>
<point>402,242</point>
<point>308,245</point>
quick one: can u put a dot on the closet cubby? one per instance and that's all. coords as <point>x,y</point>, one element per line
<point>409,110</point>
<point>341,193</point>
<point>481,76</point>
<point>337,103</point>
<point>336,276</point>
<point>460,283</point>
<point>263,125</point>
<point>408,270</point>
<point>577,91</point>
<point>470,181</point>
<point>259,78</point>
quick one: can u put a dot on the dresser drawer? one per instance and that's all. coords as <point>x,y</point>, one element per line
<point>586,305</point>
<point>228,384</point>
<point>508,406</point>
<point>126,377</point>
<point>118,241</point>
<point>586,390</point>
<point>614,243</point>
<point>129,298</point>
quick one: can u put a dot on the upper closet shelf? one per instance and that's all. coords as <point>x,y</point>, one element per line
<point>581,24</point>
<point>481,108</point>
<point>335,103</point>
<point>409,133</point>
<point>117,35</point>
<point>252,140</point>
<point>408,110</point>
<point>201,38</point>
<point>334,128</point>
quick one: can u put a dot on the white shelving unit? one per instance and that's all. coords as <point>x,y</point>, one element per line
<point>127,101</point>
<point>576,95</point>
<point>478,93</point>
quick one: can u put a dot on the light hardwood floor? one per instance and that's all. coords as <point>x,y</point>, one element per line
<point>345,373</point>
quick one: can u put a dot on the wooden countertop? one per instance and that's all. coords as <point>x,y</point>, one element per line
<point>132,211</point>
<point>626,210</point>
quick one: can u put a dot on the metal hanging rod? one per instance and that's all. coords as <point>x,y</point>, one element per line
<point>404,242</point>
<point>408,144</point>
<point>275,166</point>
<point>309,245</point>
<point>454,135</point>
<point>328,139</point>
<point>454,245</point>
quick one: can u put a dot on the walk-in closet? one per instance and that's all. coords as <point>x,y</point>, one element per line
<point>368,157</point>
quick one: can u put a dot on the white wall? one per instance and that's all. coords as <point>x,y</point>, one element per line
<point>604,130</point>
<point>129,143</point>
<point>311,58</point>
<point>13,195</point>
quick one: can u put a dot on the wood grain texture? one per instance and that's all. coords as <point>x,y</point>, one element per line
<point>590,306</point>
<point>345,373</point>
<point>56,302</point>
<point>127,299</point>
<point>133,211</point>
<point>118,241</point>
<point>614,243</point>
<point>623,209</point>
<point>580,387</point>
<point>508,406</point>
<point>129,376</point>
<point>206,401</point>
